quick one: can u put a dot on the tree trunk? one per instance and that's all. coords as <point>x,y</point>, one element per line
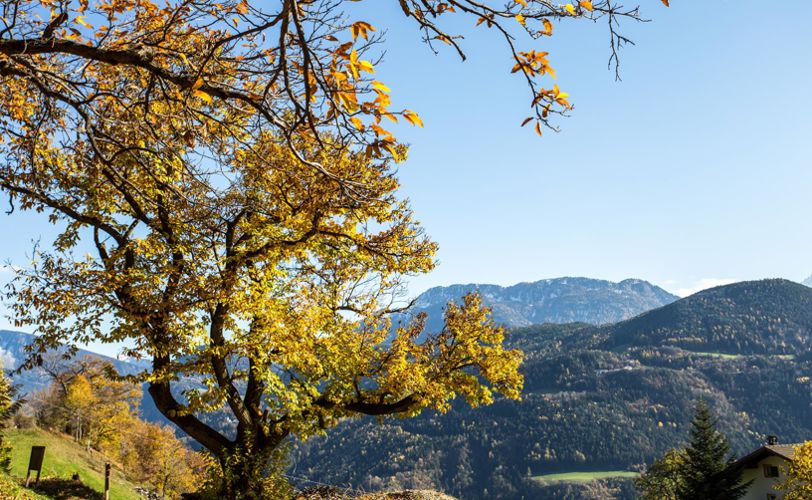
<point>254,470</point>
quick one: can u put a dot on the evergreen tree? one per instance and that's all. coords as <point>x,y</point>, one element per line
<point>707,471</point>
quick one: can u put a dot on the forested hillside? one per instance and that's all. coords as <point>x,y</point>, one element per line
<point>755,317</point>
<point>600,399</point>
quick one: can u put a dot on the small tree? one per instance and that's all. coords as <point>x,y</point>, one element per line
<point>797,484</point>
<point>79,404</point>
<point>152,454</point>
<point>707,471</point>
<point>663,479</point>
<point>7,409</point>
<point>88,400</point>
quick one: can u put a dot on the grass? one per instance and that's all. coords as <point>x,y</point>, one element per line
<point>717,355</point>
<point>584,477</point>
<point>11,489</point>
<point>63,458</point>
<point>737,356</point>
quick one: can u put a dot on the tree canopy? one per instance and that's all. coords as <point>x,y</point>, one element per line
<point>663,478</point>
<point>797,482</point>
<point>227,169</point>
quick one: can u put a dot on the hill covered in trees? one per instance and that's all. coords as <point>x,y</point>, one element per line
<point>756,317</point>
<point>596,399</point>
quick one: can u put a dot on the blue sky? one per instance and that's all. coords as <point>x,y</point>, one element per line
<point>692,171</point>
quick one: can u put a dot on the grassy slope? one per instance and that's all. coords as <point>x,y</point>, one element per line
<point>63,457</point>
<point>583,477</point>
<point>11,490</point>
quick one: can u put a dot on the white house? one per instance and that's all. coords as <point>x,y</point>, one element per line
<point>765,467</point>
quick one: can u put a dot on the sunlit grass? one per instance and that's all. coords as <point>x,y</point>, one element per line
<point>584,477</point>
<point>63,458</point>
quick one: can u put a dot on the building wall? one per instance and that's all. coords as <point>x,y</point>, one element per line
<point>764,485</point>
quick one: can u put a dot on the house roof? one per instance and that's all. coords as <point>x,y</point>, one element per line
<point>785,451</point>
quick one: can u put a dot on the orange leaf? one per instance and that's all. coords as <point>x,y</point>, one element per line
<point>202,95</point>
<point>412,118</point>
<point>380,86</point>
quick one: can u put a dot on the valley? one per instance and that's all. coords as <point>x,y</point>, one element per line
<point>600,401</point>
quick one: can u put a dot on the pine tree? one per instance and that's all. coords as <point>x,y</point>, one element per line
<point>707,473</point>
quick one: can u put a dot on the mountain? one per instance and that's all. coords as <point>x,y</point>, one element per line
<point>559,300</point>
<point>807,281</point>
<point>599,399</point>
<point>756,317</point>
<point>13,353</point>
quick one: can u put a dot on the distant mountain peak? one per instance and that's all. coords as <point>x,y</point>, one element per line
<point>554,300</point>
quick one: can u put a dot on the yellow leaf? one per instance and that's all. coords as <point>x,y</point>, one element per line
<point>366,66</point>
<point>523,3</point>
<point>380,86</point>
<point>569,8</point>
<point>520,19</point>
<point>202,95</point>
<point>198,83</point>
<point>357,122</point>
<point>81,20</point>
<point>586,4</point>
<point>412,118</point>
<point>392,151</point>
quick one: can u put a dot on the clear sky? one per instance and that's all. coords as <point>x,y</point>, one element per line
<point>692,171</point>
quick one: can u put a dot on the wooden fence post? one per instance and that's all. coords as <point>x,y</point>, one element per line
<point>107,481</point>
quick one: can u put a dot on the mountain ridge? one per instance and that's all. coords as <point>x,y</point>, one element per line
<point>555,300</point>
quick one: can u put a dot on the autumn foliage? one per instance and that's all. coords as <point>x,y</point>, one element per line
<point>797,482</point>
<point>86,401</point>
<point>224,179</point>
